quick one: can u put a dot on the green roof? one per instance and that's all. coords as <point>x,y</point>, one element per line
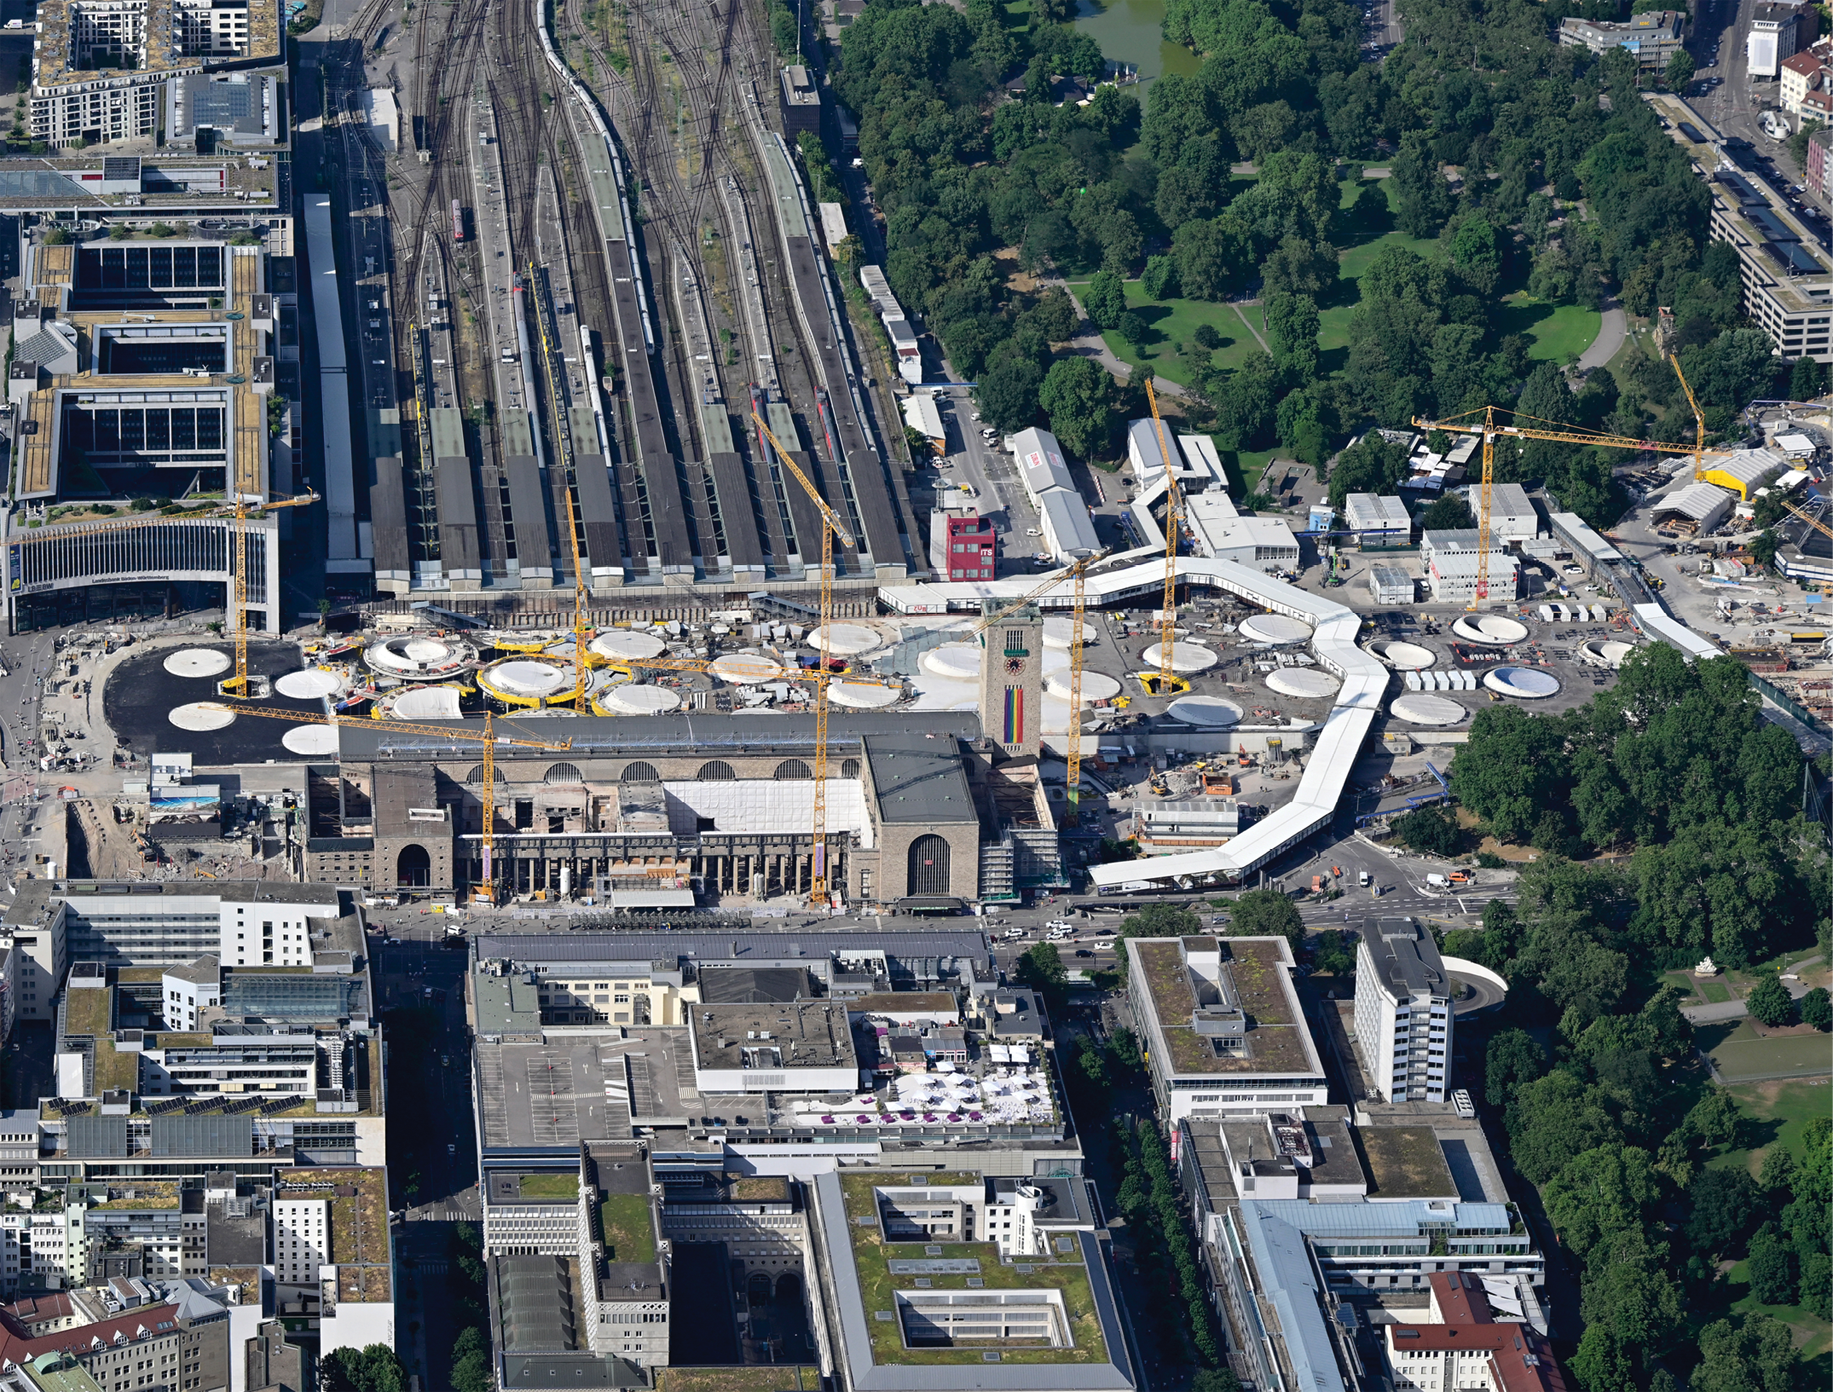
<point>551,1186</point>
<point>1062,1272</point>
<point>626,1224</point>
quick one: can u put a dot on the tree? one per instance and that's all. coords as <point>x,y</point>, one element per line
<point>1726,1205</point>
<point>1758,1356</point>
<point>1160,278</point>
<point>1772,1267</point>
<point>1601,1193</point>
<point>1161,921</point>
<point>1555,1119</point>
<point>1335,953</point>
<point>1512,1060</point>
<point>1041,968</point>
<point>1806,380</point>
<point>1215,1380</point>
<point>1105,300</point>
<point>1008,392</point>
<point>1431,831</point>
<point>1447,514</point>
<point>1374,464</point>
<point>1713,1120</point>
<point>1212,255</point>
<point>1769,1002</point>
<point>1817,1009</point>
<point>1776,1177</point>
<point>1133,328</point>
<point>1077,395</point>
<point>1264,913</point>
<point>1292,329</point>
<point>1817,1284</point>
<point>376,1368</point>
<point>1763,548</point>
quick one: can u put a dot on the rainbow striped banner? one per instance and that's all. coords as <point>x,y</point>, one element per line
<point>1015,715</point>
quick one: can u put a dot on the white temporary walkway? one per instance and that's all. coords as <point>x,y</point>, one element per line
<point>1333,642</point>
<point>1657,623</point>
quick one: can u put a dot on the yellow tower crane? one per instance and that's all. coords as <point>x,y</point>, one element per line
<point>488,738</point>
<point>831,527</point>
<point>1490,430</point>
<point>582,632</point>
<point>1174,513</point>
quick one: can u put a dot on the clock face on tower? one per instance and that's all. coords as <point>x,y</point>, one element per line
<point>1015,664</point>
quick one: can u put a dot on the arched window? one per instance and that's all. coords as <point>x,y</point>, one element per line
<point>849,768</point>
<point>477,775</point>
<point>413,866</point>
<point>793,768</point>
<point>564,773</point>
<point>717,771</point>
<point>640,773</point>
<point>928,865</point>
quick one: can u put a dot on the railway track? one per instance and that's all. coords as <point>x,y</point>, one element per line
<point>708,94</point>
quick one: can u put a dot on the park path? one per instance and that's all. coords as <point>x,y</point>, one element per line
<point>1611,333</point>
<point>1088,342</point>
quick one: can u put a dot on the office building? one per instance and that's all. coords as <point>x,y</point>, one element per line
<point>1473,1337</point>
<point>1404,1017</point>
<point>962,545</point>
<point>128,386</point>
<point>1651,38</point>
<point>1222,1025</point>
<point>1778,30</point>
<point>1377,521</point>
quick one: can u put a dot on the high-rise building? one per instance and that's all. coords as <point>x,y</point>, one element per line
<point>1403,1011</point>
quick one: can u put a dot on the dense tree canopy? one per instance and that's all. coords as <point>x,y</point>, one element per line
<point>1519,161</point>
<point>1675,762</point>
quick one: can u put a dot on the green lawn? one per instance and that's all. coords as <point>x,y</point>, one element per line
<point>629,1233</point>
<point>1556,333</point>
<point>1776,1113</point>
<point>1743,1056</point>
<point>1813,1337</point>
<point>1699,992</point>
<point>1175,321</point>
<point>551,1186</point>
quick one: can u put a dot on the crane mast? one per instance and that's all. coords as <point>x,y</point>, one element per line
<point>831,527</point>
<point>1174,508</point>
<point>489,739</point>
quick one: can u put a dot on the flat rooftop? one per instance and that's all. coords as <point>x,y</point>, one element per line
<point>1406,958</point>
<point>773,1035</point>
<point>551,1095</point>
<point>245,424</point>
<point>1406,1162</point>
<point>1276,1038</point>
<point>867,1287</point>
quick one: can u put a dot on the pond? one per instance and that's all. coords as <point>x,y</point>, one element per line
<point>1130,31</point>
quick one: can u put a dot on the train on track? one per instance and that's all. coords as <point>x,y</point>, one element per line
<point>458,222</point>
